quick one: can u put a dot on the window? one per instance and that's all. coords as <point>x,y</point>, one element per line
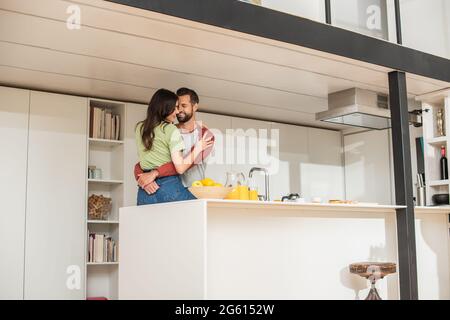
<point>374,18</point>
<point>426,25</point>
<point>310,9</point>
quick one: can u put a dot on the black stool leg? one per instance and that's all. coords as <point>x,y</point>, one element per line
<point>373,293</point>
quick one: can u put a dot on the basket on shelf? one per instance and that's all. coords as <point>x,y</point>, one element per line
<point>99,207</point>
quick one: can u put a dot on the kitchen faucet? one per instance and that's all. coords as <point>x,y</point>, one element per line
<point>266,197</point>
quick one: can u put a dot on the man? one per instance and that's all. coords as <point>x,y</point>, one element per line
<point>191,131</point>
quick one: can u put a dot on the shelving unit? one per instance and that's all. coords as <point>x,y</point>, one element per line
<point>103,221</point>
<point>105,182</point>
<point>431,104</point>
<point>107,155</point>
<point>104,142</point>
<point>438,183</point>
<point>437,142</point>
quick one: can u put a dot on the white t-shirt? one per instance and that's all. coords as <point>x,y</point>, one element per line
<point>197,172</point>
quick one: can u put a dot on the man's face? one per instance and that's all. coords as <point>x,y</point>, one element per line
<point>186,109</point>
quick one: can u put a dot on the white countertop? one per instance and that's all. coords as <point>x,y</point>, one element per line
<point>437,209</point>
<point>366,207</point>
<point>268,205</point>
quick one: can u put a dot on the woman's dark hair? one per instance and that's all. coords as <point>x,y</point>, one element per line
<point>161,105</point>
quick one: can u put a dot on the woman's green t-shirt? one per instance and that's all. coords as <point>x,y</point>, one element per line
<point>167,140</point>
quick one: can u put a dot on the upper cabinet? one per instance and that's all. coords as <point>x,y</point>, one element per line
<point>310,163</point>
<point>291,156</point>
<point>323,175</point>
<point>251,148</point>
<point>56,197</point>
<point>220,126</point>
<point>367,167</point>
<point>14,105</point>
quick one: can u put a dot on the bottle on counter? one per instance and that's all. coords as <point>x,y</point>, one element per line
<point>253,191</point>
<point>444,164</point>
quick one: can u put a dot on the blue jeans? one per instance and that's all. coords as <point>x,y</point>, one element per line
<point>170,189</point>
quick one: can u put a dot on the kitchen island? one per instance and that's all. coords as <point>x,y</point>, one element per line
<point>433,252</point>
<point>220,249</point>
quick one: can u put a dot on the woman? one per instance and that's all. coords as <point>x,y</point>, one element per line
<point>159,141</point>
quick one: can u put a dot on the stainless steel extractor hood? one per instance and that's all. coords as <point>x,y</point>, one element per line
<point>358,108</point>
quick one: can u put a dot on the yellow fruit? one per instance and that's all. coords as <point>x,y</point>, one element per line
<point>197,184</point>
<point>207,182</point>
<point>217,185</point>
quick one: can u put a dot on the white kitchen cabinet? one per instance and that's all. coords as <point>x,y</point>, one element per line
<point>14,105</point>
<point>367,167</point>
<point>134,113</point>
<point>56,197</point>
<point>291,155</point>
<point>251,148</point>
<point>217,165</point>
<point>323,175</point>
<point>310,163</point>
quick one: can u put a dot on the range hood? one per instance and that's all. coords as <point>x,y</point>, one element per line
<point>358,108</point>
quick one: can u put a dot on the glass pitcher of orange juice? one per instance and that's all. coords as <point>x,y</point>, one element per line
<point>236,181</point>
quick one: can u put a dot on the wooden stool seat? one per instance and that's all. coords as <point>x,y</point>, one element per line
<point>373,271</point>
<point>363,269</point>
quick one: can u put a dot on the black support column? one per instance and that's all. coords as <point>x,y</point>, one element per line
<point>398,21</point>
<point>328,11</point>
<point>403,186</point>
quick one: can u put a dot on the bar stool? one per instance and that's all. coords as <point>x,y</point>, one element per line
<point>373,271</point>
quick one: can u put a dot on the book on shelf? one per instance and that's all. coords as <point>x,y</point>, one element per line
<point>113,127</point>
<point>103,124</point>
<point>116,127</point>
<point>98,248</point>
<point>108,125</point>
<point>102,248</point>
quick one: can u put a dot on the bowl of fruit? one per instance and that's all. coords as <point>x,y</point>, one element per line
<point>209,189</point>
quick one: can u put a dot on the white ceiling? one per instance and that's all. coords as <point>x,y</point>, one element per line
<point>123,53</point>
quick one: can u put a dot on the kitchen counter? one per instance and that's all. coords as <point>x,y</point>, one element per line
<point>434,210</point>
<point>222,249</point>
<point>321,207</point>
<point>433,252</point>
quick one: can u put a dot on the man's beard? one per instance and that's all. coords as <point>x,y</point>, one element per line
<point>184,119</point>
